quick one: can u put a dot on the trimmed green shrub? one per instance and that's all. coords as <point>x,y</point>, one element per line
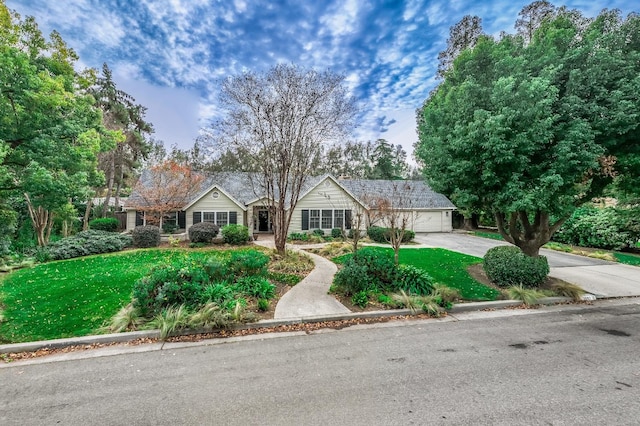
<point>318,232</point>
<point>383,235</point>
<point>377,234</point>
<point>235,234</point>
<point>146,236</point>
<point>169,228</point>
<point>299,236</point>
<point>247,263</point>
<point>203,232</point>
<point>414,281</point>
<point>606,228</point>
<point>86,243</point>
<point>508,265</point>
<point>336,233</point>
<point>109,224</point>
<point>366,270</point>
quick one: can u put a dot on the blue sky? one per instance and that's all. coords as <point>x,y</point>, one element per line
<point>171,54</point>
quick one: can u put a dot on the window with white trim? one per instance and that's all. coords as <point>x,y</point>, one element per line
<point>219,218</point>
<point>326,219</point>
<point>314,219</point>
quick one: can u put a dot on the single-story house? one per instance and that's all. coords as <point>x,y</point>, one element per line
<point>325,203</point>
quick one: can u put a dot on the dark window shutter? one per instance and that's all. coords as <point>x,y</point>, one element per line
<point>182,220</point>
<point>197,217</point>
<point>233,218</point>
<point>347,219</point>
<point>305,220</point>
<point>139,218</point>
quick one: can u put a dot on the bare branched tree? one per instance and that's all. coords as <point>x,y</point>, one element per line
<point>282,118</point>
<point>395,210</point>
<point>166,188</point>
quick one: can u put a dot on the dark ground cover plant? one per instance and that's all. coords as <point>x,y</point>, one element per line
<point>109,224</point>
<point>509,266</point>
<point>371,272</point>
<point>203,232</point>
<point>86,243</point>
<point>298,236</point>
<point>191,283</point>
<point>146,236</point>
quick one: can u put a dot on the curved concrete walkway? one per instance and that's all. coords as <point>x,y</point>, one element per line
<point>309,297</point>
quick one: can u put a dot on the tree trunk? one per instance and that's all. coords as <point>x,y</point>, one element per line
<point>279,230</point>
<point>42,221</point>
<point>87,213</point>
<point>528,236</point>
<point>110,181</point>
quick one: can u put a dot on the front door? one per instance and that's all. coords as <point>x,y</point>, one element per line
<point>263,220</point>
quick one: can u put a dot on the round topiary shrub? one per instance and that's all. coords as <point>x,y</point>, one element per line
<point>109,224</point>
<point>203,232</point>
<point>508,265</point>
<point>235,234</point>
<point>146,236</point>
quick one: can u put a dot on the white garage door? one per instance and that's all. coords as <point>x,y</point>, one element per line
<point>425,221</point>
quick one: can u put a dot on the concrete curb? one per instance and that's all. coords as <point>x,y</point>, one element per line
<point>154,334</point>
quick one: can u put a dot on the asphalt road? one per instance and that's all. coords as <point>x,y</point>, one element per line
<point>598,277</point>
<point>561,366</point>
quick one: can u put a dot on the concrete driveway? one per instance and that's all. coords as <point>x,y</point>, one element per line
<point>598,277</point>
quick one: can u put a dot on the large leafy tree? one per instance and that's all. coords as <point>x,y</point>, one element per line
<point>126,118</point>
<point>531,129</point>
<point>463,35</point>
<point>50,131</point>
<point>282,118</point>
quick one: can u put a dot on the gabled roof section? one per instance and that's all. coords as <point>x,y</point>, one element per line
<point>404,194</point>
<point>218,188</point>
<point>317,181</point>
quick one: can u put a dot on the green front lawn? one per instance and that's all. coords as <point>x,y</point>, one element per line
<point>448,268</point>
<point>73,297</point>
<point>627,258</point>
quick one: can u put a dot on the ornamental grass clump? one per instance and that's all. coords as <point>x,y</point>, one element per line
<point>508,266</point>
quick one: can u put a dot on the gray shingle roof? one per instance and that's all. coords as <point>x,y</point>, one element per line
<point>410,194</point>
<point>244,189</point>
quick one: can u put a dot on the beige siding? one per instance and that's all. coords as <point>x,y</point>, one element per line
<point>427,221</point>
<point>326,195</point>
<point>210,204</point>
<point>421,220</point>
<point>131,220</point>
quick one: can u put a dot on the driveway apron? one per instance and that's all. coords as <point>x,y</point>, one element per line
<point>598,277</point>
